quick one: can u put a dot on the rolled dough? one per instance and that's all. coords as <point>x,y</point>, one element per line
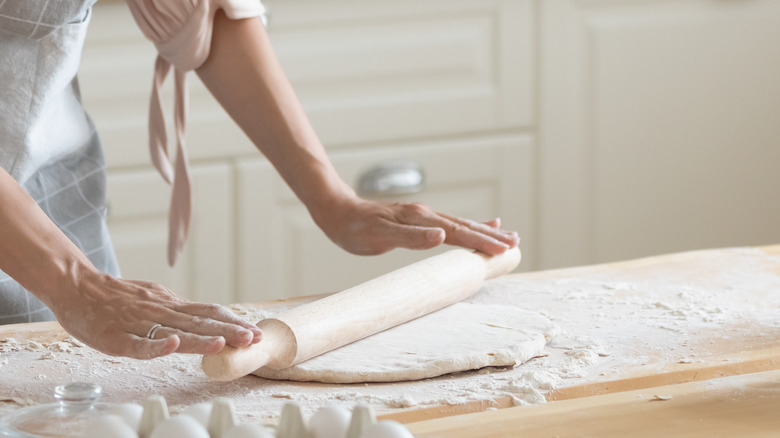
<point>461,337</point>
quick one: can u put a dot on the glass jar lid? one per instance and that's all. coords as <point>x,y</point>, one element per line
<point>77,405</point>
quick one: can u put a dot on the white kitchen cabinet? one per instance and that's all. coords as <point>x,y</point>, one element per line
<point>481,179</point>
<point>651,128</point>
<point>448,84</point>
<point>371,70</point>
<point>365,71</point>
<point>659,127</point>
<point>138,223</point>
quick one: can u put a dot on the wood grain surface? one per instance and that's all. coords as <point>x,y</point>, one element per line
<point>724,350</point>
<point>746,362</point>
<point>736,406</point>
<point>731,356</point>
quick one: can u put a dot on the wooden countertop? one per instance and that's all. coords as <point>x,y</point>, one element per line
<point>737,406</point>
<point>630,309</point>
<point>745,403</point>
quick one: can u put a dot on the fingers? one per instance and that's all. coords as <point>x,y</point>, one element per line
<point>192,343</point>
<point>197,335</point>
<point>410,236</point>
<point>116,316</point>
<point>415,226</point>
<point>485,237</point>
<point>212,320</point>
<point>468,237</point>
<point>143,343</point>
<point>495,223</point>
<point>156,303</point>
<point>224,314</point>
<point>138,347</point>
<point>465,232</point>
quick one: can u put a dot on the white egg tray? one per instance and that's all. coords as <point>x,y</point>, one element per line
<point>218,420</point>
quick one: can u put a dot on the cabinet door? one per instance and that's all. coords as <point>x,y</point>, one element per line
<point>282,253</point>
<point>138,221</point>
<point>377,70</point>
<point>659,127</point>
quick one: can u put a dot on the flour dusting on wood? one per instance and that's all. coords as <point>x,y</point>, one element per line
<point>614,323</point>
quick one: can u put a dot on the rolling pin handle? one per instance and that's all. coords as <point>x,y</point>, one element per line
<point>233,363</point>
<point>277,348</point>
<point>496,266</point>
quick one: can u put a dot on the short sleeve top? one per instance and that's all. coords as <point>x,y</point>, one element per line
<point>182,31</point>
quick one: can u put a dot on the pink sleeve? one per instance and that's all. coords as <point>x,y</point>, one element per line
<point>181,30</point>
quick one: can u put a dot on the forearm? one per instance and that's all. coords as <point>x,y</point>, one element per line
<point>107,313</point>
<point>33,251</point>
<point>243,73</point>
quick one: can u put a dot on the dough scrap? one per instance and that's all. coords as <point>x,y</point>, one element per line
<point>461,337</point>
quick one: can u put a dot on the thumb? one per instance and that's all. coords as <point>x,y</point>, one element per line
<point>416,237</point>
<point>143,348</point>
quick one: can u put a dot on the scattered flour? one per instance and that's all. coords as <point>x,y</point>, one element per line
<point>405,401</point>
<point>613,322</point>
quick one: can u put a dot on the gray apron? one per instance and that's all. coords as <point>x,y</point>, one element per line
<point>47,141</point>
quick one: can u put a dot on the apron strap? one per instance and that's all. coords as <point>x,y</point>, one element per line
<point>180,212</point>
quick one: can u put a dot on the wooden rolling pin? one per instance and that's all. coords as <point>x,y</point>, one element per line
<point>379,304</point>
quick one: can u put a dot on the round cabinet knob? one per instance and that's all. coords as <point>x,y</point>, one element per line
<point>392,178</point>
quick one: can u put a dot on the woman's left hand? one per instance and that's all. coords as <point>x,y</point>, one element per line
<point>369,227</point>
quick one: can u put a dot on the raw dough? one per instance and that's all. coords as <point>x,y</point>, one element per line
<point>461,337</point>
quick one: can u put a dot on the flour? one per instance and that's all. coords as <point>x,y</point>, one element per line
<point>405,401</point>
<point>523,393</point>
<point>67,345</point>
<point>613,323</point>
<point>9,345</point>
<point>46,356</point>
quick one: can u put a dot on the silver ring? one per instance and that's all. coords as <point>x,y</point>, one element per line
<point>153,330</point>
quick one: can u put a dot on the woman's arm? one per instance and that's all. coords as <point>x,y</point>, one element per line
<point>242,72</point>
<point>109,314</point>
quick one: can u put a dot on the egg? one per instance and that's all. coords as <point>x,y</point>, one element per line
<point>386,429</point>
<point>180,426</point>
<point>200,412</point>
<point>248,431</point>
<point>130,412</point>
<point>330,422</point>
<point>109,426</point>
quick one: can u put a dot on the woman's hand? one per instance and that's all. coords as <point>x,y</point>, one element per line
<point>369,227</point>
<point>114,316</point>
<point>109,314</point>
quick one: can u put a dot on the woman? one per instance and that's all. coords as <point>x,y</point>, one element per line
<point>55,253</point>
